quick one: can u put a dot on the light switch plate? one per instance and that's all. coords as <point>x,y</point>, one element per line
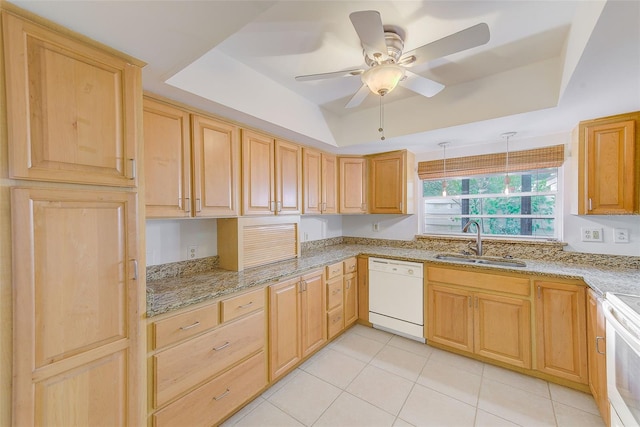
<point>591,234</point>
<point>621,235</point>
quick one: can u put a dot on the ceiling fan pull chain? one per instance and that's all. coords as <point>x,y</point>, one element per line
<point>381,128</point>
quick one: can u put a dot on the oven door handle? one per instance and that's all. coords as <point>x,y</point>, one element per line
<point>629,338</point>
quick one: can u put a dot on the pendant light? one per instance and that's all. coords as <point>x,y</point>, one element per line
<point>444,167</point>
<point>506,136</point>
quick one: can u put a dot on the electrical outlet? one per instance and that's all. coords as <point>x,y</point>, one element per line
<point>306,236</point>
<point>376,226</point>
<point>591,234</point>
<point>621,235</point>
<point>192,252</point>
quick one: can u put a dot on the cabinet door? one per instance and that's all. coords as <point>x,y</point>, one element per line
<point>284,326</point>
<point>329,184</point>
<point>167,160</point>
<point>216,167</point>
<point>73,108</point>
<point>258,186</point>
<point>350,299</point>
<point>78,327</point>
<point>288,158</point>
<point>363,290</point>
<point>353,185</point>
<point>502,329</point>
<point>610,162</point>
<point>561,330</point>
<point>311,181</point>
<point>313,321</point>
<point>387,183</point>
<point>450,316</point>
<point>596,348</point>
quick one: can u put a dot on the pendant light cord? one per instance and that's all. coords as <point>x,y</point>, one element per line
<point>381,128</point>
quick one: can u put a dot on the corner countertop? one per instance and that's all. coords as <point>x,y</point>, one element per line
<point>170,294</point>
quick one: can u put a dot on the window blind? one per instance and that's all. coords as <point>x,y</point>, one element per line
<point>539,158</point>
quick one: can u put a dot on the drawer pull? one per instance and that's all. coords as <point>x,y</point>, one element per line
<point>223,346</point>
<point>335,291</point>
<point>247,305</point>
<point>222,395</point>
<point>337,319</point>
<point>598,346</point>
<point>184,328</point>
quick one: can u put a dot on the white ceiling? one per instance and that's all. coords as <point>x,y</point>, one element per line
<point>548,65</point>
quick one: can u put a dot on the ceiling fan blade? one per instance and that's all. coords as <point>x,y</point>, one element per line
<point>421,85</point>
<point>462,40</point>
<point>358,97</point>
<point>368,25</point>
<point>322,76</point>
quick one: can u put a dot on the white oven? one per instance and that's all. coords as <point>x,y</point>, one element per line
<point>623,358</point>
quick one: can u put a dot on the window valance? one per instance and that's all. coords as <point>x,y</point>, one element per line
<point>539,158</point>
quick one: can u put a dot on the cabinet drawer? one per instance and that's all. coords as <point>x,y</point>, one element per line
<point>335,321</point>
<point>210,403</point>
<point>181,367</point>
<point>334,293</point>
<point>334,270</point>
<point>240,305</point>
<point>350,265</point>
<point>485,281</point>
<point>185,325</point>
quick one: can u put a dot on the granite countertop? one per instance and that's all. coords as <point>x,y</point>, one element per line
<point>169,294</point>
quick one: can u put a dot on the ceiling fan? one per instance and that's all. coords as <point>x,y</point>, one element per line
<point>382,50</point>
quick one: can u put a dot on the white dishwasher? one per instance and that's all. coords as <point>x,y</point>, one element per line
<point>396,297</point>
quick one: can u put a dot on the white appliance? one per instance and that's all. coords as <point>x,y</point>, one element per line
<point>396,297</point>
<point>623,358</point>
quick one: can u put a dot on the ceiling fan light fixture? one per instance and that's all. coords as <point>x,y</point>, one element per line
<point>383,78</point>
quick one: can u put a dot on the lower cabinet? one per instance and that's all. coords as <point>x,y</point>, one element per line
<point>484,314</point>
<point>297,321</point>
<point>342,296</point>
<point>561,330</point>
<point>208,361</point>
<point>363,290</point>
<point>596,352</point>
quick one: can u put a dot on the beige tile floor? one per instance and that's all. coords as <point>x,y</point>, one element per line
<point>369,377</point>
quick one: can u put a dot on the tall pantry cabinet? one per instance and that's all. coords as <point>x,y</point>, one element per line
<point>73,140</point>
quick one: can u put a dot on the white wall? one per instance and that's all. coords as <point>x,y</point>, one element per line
<point>391,227</point>
<point>320,227</point>
<point>169,240</point>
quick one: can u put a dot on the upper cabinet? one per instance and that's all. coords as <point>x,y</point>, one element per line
<point>192,163</point>
<point>391,181</point>
<point>353,185</point>
<point>271,175</point>
<point>73,107</point>
<point>320,179</point>
<point>608,170</point>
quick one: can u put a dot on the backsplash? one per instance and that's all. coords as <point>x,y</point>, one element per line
<point>181,268</point>
<point>543,250</point>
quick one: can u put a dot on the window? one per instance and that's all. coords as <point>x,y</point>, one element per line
<point>529,209</point>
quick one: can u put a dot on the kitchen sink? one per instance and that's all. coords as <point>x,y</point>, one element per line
<point>503,262</point>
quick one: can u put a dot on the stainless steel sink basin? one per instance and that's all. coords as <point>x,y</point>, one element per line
<point>503,262</point>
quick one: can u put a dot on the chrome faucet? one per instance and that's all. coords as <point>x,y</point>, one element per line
<point>477,248</point>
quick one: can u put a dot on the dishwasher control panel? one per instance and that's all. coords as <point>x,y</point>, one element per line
<point>392,266</point>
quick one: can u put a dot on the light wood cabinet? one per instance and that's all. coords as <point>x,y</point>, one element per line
<point>392,183</point>
<point>353,185</point>
<point>492,314</point>
<point>73,108</point>
<point>561,330</point>
<point>272,175</point>
<point>167,160</point>
<point>297,323</point>
<point>320,180</point>
<point>608,157</point>
<point>342,296</point>
<point>216,167</point>
<point>77,305</point>
<point>363,290</point>
<point>350,303</point>
<point>596,353</point>
<point>207,361</point>
<point>192,163</point>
